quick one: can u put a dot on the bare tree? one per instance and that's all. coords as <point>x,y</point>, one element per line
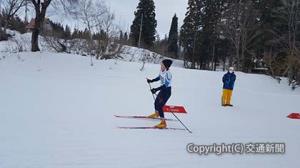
<point>89,13</point>
<point>10,9</point>
<point>55,42</point>
<point>40,7</point>
<point>106,25</point>
<point>291,11</point>
<point>97,19</point>
<point>66,6</point>
<point>237,20</point>
<point>291,8</point>
<point>40,12</point>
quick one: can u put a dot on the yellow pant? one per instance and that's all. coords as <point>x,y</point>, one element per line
<point>226,97</point>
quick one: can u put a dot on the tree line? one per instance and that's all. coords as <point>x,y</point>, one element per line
<point>242,33</point>
<point>251,35</point>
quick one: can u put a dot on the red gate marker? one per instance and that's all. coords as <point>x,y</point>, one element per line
<point>174,109</point>
<point>294,116</point>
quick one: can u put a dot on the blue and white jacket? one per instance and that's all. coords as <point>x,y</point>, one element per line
<point>165,78</point>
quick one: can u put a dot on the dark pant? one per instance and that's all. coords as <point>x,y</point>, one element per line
<point>161,99</point>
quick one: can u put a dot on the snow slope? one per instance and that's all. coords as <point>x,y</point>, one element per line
<point>21,42</point>
<point>134,54</point>
<point>57,112</point>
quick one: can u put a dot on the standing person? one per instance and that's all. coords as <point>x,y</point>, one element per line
<point>163,96</point>
<point>228,84</point>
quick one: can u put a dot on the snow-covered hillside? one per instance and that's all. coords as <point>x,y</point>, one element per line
<point>22,43</point>
<point>134,54</point>
<point>56,111</point>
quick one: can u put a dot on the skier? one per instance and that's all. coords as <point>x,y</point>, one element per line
<point>165,78</point>
<point>228,84</point>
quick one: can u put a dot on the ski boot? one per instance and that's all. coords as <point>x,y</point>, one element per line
<point>161,125</point>
<point>154,115</point>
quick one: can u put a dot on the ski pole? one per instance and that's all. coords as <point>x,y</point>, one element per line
<point>151,92</point>
<point>171,112</point>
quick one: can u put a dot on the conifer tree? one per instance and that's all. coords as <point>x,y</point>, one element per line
<point>145,15</point>
<point>173,37</point>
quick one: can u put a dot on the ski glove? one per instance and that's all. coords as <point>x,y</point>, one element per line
<point>154,90</point>
<point>149,81</point>
<point>153,80</point>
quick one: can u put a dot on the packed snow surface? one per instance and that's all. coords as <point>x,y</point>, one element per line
<point>56,111</point>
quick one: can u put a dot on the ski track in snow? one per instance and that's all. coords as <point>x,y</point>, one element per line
<point>58,112</point>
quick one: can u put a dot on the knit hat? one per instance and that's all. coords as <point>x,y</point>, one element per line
<point>167,63</point>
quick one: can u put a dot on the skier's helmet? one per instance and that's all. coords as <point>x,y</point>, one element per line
<point>167,63</point>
